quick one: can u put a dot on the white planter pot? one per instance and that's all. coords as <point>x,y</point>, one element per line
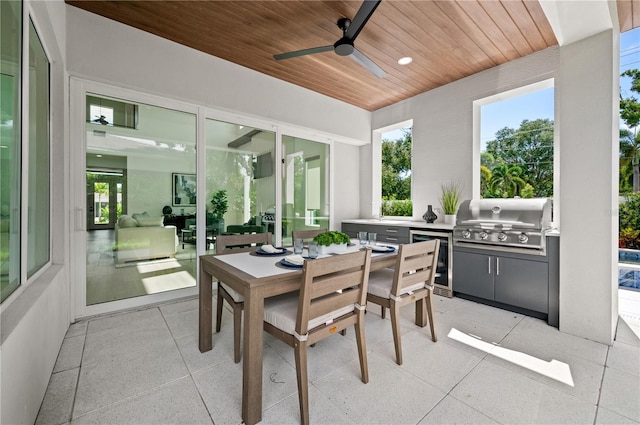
<point>450,219</point>
<point>332,249</point>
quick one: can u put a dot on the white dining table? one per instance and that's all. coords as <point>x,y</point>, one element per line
<point>257,277</point>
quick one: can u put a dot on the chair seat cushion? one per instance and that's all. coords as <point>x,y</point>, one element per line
<point>380,282</point>
<point>234,294</point>
<point>282,311</point>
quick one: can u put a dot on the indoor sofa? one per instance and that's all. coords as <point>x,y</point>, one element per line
<point>144,238</point>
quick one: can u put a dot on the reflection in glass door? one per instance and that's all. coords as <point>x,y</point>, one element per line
<point>240,165</point>
<point>134,221</point>
<point>305,186</point>
<point>104,199</point>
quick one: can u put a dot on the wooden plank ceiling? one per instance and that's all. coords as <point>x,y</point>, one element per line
<point>448,39</point>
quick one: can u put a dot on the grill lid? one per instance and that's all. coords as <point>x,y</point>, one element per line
<point>505,214</point>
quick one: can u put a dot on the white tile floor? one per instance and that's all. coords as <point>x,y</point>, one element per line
<point>489,366</point>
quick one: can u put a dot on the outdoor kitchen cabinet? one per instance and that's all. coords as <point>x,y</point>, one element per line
<point>516,280</point>
<point>385,233</point>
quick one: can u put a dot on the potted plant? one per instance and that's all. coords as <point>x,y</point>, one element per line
<point>450,200</point>
<point>219,205</point>
<point>332,242</point>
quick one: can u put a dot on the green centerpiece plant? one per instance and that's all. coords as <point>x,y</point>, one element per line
<point>332,237</point>
<point>332,242</point>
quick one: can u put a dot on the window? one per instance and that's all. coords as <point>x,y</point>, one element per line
<point>396,173</point>
<point>39,210</point>
<point>10,147</point>
<point>20,198</point>
<point>516,143</point>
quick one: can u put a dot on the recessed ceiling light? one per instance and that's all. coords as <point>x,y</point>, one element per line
<point>405,60</point>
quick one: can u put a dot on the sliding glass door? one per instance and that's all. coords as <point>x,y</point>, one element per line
<point>240,179</point>
<point>140,199</point>
<point>305,186</point>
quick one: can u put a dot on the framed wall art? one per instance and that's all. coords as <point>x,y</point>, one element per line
<point>184,190</point>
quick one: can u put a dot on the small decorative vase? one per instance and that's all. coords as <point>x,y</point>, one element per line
<point>430,216</point>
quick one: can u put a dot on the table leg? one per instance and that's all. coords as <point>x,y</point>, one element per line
<point>421,313</point>
<point>252,356</point>
<point>205,314</point>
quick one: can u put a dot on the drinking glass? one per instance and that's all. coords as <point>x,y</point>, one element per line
<point>297,246</point>
<point>313,249</point>
<point>372,238</point>
<point>362,238</point>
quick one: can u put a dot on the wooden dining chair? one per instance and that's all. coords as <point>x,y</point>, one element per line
<point>306,234</point>
<point>411,280</point>
<point>226,244</point>
<point>331,298</point>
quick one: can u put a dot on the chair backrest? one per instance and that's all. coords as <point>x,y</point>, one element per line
<point>415,266</point>
<point>306,234</point>
<point>330,284</point>
<point>241,243</point>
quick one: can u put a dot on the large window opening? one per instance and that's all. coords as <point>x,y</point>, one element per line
<point>396,173</point>
<point>516,143</point>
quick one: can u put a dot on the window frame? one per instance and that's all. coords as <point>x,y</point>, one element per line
<point>25,280</point>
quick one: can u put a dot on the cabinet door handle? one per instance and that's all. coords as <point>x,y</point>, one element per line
<point>392,230</point>
<point>497,266</point>
<point>390,238</point>
<point>489,264</point>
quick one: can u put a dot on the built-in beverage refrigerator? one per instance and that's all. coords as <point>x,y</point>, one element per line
<point>444,276</point>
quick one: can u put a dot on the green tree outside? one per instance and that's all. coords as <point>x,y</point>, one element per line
<point>396,176</point>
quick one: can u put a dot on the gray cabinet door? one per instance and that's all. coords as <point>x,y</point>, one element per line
<point>473,274</point>
<point>522,283</point>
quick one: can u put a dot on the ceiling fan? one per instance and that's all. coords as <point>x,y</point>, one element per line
<point>344,46</point>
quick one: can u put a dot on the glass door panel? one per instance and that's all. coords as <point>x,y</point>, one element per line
<point>240,166</point>
<point>305,186</point>
<point>134,221</point>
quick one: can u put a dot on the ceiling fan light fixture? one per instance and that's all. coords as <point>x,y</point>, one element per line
<point>405,60</point>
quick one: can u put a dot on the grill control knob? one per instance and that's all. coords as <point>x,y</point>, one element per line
<point>466,234</point>
<point>502,237</point>
<point>523,238</point>
<point>484,235</point>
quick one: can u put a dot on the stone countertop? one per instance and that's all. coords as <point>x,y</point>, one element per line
<point>414,224</point>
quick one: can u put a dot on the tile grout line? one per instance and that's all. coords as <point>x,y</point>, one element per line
<point>190,374</point>
<point>75,393</point>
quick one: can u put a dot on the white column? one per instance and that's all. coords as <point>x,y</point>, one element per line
<point>587,115</point>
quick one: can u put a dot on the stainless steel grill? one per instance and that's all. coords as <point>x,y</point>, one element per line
<point>517,225</point>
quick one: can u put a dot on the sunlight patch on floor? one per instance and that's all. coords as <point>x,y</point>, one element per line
<point>554,369</point>
<point>158,266</point>
<point>167,282</point>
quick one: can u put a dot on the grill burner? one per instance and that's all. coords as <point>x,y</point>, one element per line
<point>505,224</point>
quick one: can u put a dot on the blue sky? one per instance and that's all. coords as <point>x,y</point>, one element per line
<point>510,113</point>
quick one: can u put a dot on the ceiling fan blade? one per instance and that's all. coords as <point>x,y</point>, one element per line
<point>303,52</point>
<point>361,18</point>
<point>360,57</point>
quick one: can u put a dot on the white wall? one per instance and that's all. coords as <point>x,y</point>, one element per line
<point>443,125</point>
<point>141,61</point>
<point>34,321</point>
<point>586,111</point>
